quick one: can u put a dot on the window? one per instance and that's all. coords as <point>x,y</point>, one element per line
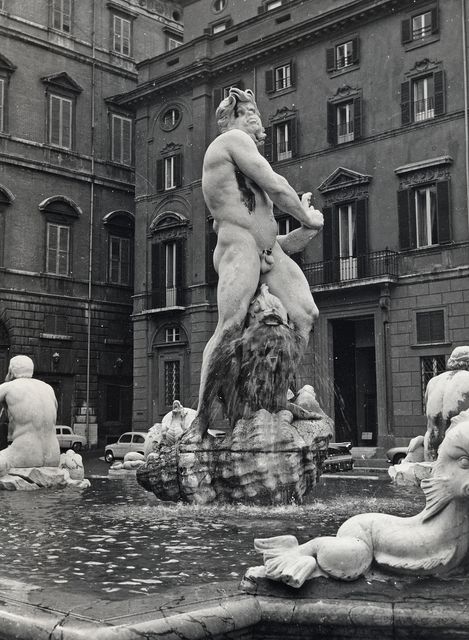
<point>430,366</point>
<point>343,55</point>
<point>424,215</point>
<point>273,4</point>
<point>281,141</point>
<point>172,381</point>
<point>121,139</point>
<point>2,104</point>
<point>423,98</point>
<point>61,18</point>
<point>171,262</point>
<point>218,28</point>
<point>218,5</point>
<point>344,121</point>
<point>170,119</point>
<point>55,324</point>
<point>420,26</point>
<point>279,78</point>
<point>430,327</point>
<point>60,121</point>
<point>121,33</point>
<point>347,242</point>
<point>173,334</point>
<point>169,172</point>
<point>119,260</point>
<point>285,224</point>
<point>173,43</point>
<point>58,249</point>
<point>168,273</point>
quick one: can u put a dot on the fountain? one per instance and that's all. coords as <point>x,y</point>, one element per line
<point>382,574</point>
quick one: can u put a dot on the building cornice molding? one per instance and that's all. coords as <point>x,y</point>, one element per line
<point>204,67</point>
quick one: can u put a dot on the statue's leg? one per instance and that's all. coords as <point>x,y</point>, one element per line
<point>5,465</point>
<point>287,281</point>
<point>238,269</point>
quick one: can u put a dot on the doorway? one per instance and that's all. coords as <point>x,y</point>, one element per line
<point>355,381</point>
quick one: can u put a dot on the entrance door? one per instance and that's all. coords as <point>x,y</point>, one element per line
<point>355,381</point>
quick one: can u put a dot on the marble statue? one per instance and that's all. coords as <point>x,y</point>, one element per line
<point>240,189</point>
<point>174,424</point>
<point>32,413</point>
<point>433,542</point>
<point>446,396</point>
<point>271,450</point>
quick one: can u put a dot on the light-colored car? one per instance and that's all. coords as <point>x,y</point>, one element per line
<point>128,441</point>
<point>68,439</point>
<point>396,455</point>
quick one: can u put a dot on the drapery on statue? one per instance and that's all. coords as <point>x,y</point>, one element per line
<point>240,189</point>
<point>32,413</point>
<point>433,542</point>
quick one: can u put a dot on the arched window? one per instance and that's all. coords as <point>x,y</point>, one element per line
<point>169,233</point>
<point>60,213</point>
<point>120,226</point>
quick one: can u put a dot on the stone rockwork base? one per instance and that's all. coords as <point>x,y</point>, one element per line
<point>266,459</point>
<point>32,478</point>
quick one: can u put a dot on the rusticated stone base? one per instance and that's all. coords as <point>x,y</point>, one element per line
<point>32,478</point>
<point>267,459</point>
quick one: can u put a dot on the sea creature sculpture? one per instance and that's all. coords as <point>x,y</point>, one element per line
<point>433,542</point>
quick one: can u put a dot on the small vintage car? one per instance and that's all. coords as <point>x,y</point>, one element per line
<point>339,457</point>
<point>128,441</point>
<point>68,439</point>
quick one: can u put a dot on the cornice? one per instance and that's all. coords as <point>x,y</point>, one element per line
<point>289,38</point>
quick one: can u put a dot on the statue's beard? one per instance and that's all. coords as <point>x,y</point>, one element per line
<point>260,136</point>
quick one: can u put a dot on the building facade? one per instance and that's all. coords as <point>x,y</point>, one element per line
<point>67,196</point>
<point>365,105</point>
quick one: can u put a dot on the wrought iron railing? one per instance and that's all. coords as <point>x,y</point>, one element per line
<point>371,265</point>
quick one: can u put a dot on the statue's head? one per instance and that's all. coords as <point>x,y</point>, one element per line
<point>459,359</point>
<point>20,367</point>
<point>450,475</point>
<point>239,111</point>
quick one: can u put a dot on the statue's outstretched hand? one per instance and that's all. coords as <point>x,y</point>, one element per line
<point>315,219</point>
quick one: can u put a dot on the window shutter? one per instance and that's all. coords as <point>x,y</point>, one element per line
<point>331,123</point>
<point>54,132</point>
<point>439,88</point>
<point>331,244</point>
<point>217,97</point>
<point>66,124</point>
<point>357,118</point>
<point>178,169</point>
<point>293,73</point>
<point>443,211</point>
<point>355,50</point>
<point>269,81</point>
<point>435,21</point>
<point>406,218</point>
<point>115,134</point>
<point>361,235</point>
<point>268,144</point>
<point>158,276</point>
<point>210,242</point>
<point>405,103</point>
<point>293,133</point>
<point>406,31</point>
<point>126,141</point>
<point>261,9</point>
<point>180,270</point>
<point>160,174</point>
<point>330,59</point>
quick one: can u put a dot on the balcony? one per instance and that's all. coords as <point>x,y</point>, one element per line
<point>424,109</point>
<point>377,267</point>
<point>345,131</point>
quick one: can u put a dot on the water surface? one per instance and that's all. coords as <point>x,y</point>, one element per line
<point>116,539</point>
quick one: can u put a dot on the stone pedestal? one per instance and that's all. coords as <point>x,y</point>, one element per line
<point>267,459</point>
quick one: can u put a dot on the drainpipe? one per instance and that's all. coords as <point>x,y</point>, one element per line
<point>91,237</point>
<point>466,113</point>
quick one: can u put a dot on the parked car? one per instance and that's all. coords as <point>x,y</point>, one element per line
<point>68,439</point>
<point>128,441</point>
<point>339,457</point>
<point>396,455</point>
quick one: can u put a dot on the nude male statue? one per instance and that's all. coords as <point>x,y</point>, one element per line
<point>240,189</point>
<point>32,413</point>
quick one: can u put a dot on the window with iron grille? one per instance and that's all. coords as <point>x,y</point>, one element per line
<point>423,98</point>
<point>280,77</point>
<point>430,326</point>
<point>172,382</point>
<point>344,120</point>
<point>343,55</point>
<point>420,26</point>
<point>61,15</point>
<point>430,366</point>
<point>121,35</point>
<point>173,334</point>
<point>281,140</point>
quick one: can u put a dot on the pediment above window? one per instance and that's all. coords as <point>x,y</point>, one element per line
<point>423,66</point>
<point>171,148</point>
<point>342,178</point>
<point>62,81</point>
<point>283,113</point>
<point>60,205</point>
<point>344,92</point>
<point>169,222</point>
<point>5,65</point>
<point>120,219</point>
<point>6,196</point>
